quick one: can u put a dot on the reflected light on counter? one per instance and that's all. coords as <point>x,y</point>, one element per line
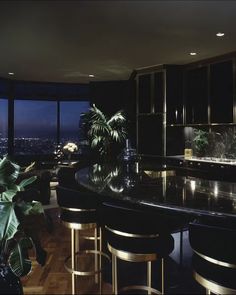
<point>193,185</point>
<point>116,189</point>
<point>216,191</point>
<point>176,114</point>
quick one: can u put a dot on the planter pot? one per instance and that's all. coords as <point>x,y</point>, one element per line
<point>9,283</point>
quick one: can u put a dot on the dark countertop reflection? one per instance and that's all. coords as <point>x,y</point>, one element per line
<point>161,188</point>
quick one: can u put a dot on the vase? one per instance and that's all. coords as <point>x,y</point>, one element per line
<point>9,283</point>
<point>69,158</point>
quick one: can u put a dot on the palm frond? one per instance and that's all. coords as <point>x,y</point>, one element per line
<point>95,141</point>
<point>117,117</point>
<point>96,114</point>
<point>118,135</point>
<point>99,128</point>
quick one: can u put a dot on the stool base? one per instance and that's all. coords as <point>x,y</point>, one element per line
<point>212,287</point>
<point>135,257</point>
<point>83,253</point>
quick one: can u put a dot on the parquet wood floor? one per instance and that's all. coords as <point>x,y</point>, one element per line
<point>53,278</point>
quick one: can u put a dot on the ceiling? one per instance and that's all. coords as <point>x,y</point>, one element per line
<point>65,41</point>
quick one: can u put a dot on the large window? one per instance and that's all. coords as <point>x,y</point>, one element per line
<point>3,126</point>
<point>70,124</point>
<point>35,126</point>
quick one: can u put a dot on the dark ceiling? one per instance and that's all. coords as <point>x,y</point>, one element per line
<point>68,40</point>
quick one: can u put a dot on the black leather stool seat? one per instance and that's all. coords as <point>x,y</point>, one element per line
<point>214,261</point>
<point>222,276</point>
<point>136,235</point>
<point>126,218</point>
<point>215,242</point>
<point>71,198</point>
<point>78,217</point>
<point>162,245</point>
<point>79,213</point>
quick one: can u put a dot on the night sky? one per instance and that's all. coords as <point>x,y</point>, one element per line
<point>3,117</point>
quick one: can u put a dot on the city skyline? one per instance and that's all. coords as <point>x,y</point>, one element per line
<point>35,125</point>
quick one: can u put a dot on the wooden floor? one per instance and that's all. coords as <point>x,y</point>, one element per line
<point>53,278</point>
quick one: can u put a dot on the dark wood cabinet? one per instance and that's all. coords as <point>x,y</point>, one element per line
<point>150,135</point>
<point>196,96</point>
<point>144,94</point>
<point>159,92</point>
<point>221,92</point>
<point>174,95</point>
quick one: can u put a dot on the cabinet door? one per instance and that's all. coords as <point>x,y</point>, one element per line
<point>144,93</point>
<point>175,141</point>
<point>221,92</point>
<point>150,135</point>
<point>159,92</point>
<point>174,96</point>
<point>196,96</point>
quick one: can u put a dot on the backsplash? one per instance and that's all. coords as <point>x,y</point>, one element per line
<point>215,142</point>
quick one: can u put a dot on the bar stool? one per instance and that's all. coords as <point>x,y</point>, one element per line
<point>136,236</point>
<point>79,213</point>
<point>214,260</point>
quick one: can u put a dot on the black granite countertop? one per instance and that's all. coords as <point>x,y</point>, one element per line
<point>161,188</point>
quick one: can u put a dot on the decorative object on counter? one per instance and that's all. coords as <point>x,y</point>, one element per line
<point>106,135</point>
<point>128,153</point>
<point>20,222</point>
<point>69,149</point>
<point>200,142</point>
<point>188,153</point>
<point>58,153</point>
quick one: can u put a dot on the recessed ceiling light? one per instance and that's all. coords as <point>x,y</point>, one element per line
<point>11,73</point>
<point>91,76</point>
<point>220,34</point>
<point>193,53</point>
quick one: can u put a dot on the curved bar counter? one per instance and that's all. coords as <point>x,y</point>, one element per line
<point>161,188</point>
<point>210,203</point>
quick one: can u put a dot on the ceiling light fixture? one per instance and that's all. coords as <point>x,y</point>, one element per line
<point>91,75</point>
<point>193,53</point>
<point>220,34</point>
<point>11,73</point>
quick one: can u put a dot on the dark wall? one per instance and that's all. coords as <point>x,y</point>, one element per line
<point>112,96</point>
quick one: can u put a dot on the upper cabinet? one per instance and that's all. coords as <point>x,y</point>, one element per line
<point>196,95</point>
<point>209,93</point>
<point>161,91</point>
<point>144,96</point>
<point>174,95</point>
<point>159,101</point>
<point>221,92</point>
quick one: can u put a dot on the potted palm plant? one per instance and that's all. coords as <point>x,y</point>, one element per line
<point>17,235</point>
<point>105,134</point>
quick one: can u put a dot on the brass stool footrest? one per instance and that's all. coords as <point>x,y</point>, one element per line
<point>83,253</point>
<point>90,238</point>
<point>140,287</point>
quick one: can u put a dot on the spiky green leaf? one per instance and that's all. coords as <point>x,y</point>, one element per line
<point>9,222</point>
<point>31,208</point>
<point>19,261</point>
<point>9,172</point>
<point>27,181</point>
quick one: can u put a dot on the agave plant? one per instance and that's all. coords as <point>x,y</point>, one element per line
<point>16,237</point>
<point>105,132</point>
